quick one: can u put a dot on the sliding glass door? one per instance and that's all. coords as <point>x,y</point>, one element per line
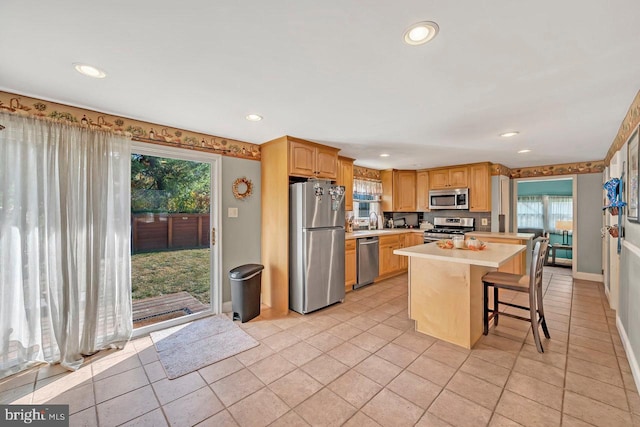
<point>174,256</point>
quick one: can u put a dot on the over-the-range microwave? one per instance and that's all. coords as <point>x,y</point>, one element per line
<point>454,198</point>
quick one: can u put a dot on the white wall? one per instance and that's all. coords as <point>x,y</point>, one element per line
<point>241,235</point>
<point>589,223</point>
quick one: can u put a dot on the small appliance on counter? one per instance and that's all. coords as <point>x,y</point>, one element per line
<point>426,225</point>
<point>399,223</point>
<point>447,228</point>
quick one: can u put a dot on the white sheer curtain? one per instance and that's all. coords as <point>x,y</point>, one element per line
<point>560,208</point>
<point>64,242</point>
<point>544,211</point>
<point>530,212</point>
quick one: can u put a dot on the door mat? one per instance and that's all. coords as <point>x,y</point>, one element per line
<point>192,346</point>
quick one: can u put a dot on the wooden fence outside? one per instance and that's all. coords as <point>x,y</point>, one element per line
<point>152,232</point>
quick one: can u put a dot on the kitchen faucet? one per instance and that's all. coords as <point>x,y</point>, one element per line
<point>375,226</point>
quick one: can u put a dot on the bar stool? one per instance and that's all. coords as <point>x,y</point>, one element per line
<point>531,284</point>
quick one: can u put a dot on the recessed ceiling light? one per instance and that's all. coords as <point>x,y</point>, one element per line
<point>385,155</point>
<point>524,151</point>
<point>509,134</point>
<point>253,117</point>
<point>421,33</point>
<point>89,70</point>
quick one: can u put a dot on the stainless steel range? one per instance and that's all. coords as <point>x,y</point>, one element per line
<point>446,228</point>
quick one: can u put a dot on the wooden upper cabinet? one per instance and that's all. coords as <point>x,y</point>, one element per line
<point>422,191</point>
<point>450,178</point>
<point>456,177</point>
<point>404,192</point>
<point>480,187</point>
<point>307,159</point>
<point>398,190</point>
<point>345,177</point>
<point>326,162</point>
<point>439,178</point>
<point>302,159</point>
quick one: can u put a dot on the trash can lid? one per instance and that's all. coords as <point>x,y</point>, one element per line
<point>244,271</point>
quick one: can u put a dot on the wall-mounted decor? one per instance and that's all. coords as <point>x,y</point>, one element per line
<point>242,188</point>
<point>615,193</point>
<point>633,177</point>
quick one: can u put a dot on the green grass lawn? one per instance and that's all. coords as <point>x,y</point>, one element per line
<point>161,273</point>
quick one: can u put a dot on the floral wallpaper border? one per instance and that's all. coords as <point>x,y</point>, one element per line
<point>559,169</point>
<point>595,166</point>
<point>137,130</point>
<point>628,125</point>
<point>498,169</point>
<point>365,173</point>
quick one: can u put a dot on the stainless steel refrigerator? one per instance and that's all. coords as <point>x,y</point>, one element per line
<point>316,245</point>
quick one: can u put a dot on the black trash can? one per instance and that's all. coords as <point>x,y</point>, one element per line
<point>245,291</point>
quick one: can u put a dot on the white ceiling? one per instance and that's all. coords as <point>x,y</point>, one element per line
<point>563,73</point>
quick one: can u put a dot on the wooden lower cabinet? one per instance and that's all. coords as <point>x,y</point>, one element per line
<point>349,264</point>
<point>404,261</point>
<point>414,239</point>
<point>391,264</point>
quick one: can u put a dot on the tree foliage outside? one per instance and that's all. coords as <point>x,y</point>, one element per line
<point>163,185</point>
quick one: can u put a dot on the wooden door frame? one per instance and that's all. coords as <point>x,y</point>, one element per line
<point>574,190</point>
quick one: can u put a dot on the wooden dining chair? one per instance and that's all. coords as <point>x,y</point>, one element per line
<point>531,284</point>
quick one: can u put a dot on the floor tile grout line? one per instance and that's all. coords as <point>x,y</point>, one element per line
<point>523,343</point>
<point>504,388</point>
<point>566,362</point>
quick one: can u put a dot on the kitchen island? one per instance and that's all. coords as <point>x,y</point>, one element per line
<point>517,265</point>
<point>445,288</point>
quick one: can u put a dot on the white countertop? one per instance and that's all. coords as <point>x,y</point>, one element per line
<point>481,234</point>
<point>494,255</point>
<point>383,232</point>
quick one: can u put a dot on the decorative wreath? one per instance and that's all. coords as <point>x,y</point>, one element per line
<point>238,188</point>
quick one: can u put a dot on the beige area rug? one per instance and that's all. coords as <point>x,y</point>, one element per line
<point>189,347</point>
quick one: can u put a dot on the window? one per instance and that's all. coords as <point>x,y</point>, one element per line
<point>530,212</point>
<point>544,212</point>
<point>364,205</point>
<point>366,198</point>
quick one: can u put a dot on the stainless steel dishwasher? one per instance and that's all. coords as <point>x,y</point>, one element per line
<point>367,266</point>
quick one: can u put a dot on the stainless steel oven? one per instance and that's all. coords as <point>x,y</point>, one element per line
<point>446,228</point>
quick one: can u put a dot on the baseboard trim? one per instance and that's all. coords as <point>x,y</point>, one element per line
<point>631,357</point>
<point>226,307</point>
<point>606,292</point>
<point>593,277</point>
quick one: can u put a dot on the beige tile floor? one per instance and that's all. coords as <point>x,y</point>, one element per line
<point>360,364</point>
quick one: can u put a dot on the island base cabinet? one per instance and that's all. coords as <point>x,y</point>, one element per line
<point>517,264</point>
<point>447,302</point>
